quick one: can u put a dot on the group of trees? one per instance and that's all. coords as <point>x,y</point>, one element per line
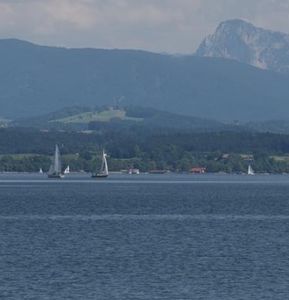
<point>31,149</point>
<point>234,163</point>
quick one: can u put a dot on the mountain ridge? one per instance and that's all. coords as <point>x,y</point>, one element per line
<point>39,79</point>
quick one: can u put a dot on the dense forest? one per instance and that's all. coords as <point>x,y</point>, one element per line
<point>24,149</point>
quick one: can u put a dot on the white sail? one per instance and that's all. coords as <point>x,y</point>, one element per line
<point>250,170</point>
<point>40,171</point>
<point>104,166</point>
<point>67,170</point>
<point>55,168</point>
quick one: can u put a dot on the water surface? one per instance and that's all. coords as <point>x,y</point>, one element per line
<point>144,237</point>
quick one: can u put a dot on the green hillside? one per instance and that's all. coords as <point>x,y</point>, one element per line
<point>95,116</point>
<point>84,118</point>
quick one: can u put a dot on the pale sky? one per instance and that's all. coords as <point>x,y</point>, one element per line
<point>173,26</point>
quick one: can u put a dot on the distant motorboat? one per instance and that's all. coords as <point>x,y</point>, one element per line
<point>67,170</point>
<point>103,172</point>
<point>250,170</point>
<point>55,168</point>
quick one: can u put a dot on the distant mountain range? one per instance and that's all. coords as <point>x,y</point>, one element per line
<point>243,42</point>
<point>35,80</point>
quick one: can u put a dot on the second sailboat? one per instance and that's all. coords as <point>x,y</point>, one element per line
<point>103,172</point>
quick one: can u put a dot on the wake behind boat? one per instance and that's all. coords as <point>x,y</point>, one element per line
<point>55,168</point>
<point>103,172</point>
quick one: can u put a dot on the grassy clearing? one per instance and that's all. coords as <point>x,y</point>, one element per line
<point>104,116</point>
<point>281,158</point>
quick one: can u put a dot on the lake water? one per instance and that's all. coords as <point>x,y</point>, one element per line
<point>170,237</point>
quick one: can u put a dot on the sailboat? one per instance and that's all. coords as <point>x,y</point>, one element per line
<point>103,172</point>
<point>250,170</point>
<point>40,171</point>
<point>67,170</point>
<point>55,168</point>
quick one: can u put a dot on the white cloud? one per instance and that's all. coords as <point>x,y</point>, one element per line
<point>75,13</point>
<point>157,25</point>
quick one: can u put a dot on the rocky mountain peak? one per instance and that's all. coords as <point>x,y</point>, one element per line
<point>242,41</point>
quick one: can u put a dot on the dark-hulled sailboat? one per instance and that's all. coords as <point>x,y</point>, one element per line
<point>103,172</point>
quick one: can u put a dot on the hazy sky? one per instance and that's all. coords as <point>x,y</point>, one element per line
<point>175,26</point>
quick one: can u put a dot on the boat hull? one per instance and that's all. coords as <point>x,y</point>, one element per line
<point>55,176</point>
<point>158,172</point>
<point>99,176</point>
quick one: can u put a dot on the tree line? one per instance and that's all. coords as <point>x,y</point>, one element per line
<point>24,149</point>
